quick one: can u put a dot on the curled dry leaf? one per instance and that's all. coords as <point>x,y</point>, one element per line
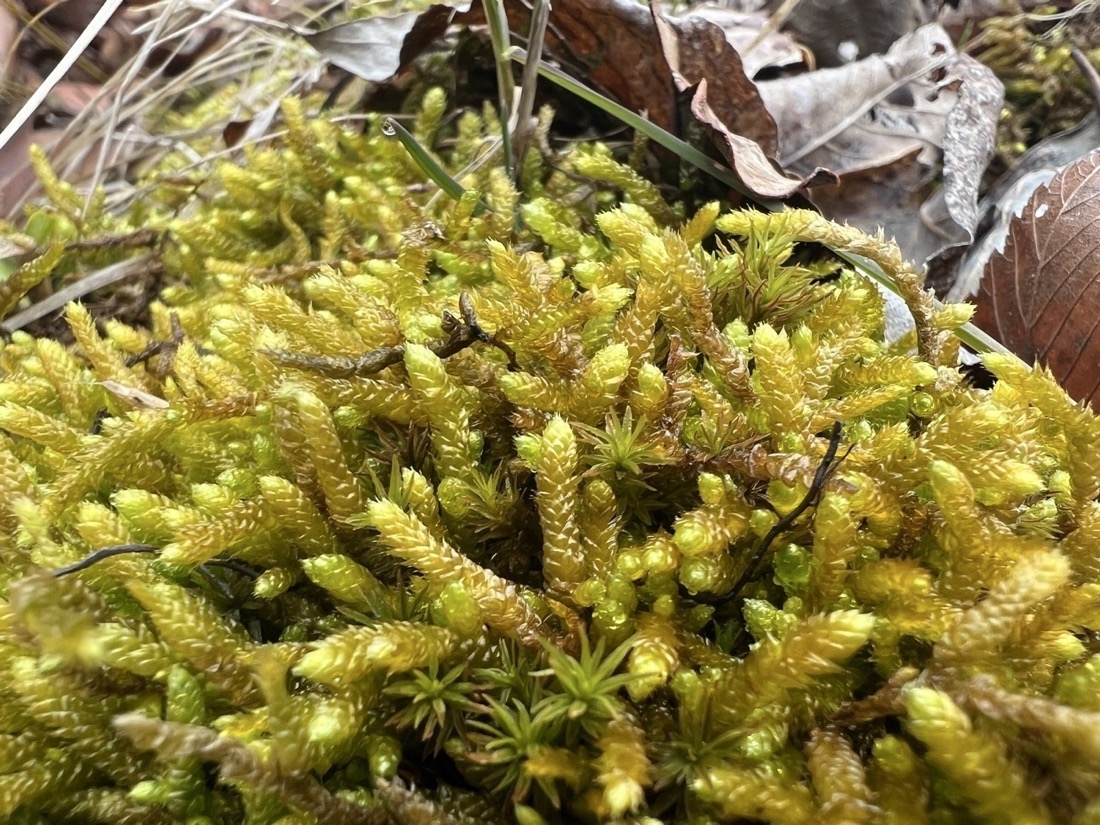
<point>968,141</point>
<point>825,117</point>
<point>1041,295</point>
<point>969,136</point>
<point>697,51</point>
<point>921,101</point>
<point>645,58</point>
<point>746,157</point>
<point>727,103</point>
<point>701,59</point>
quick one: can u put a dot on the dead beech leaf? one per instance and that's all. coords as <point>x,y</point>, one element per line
<point>726,102</point>
<point>742,30</point>
<point>234,130</point>
<point>642,59</point>
<point>975,229</point>
<point>376,48</point>
<point>1010,194</point>
<point>1041,295</point>
<point>697,51</point>
<point>618,44</point>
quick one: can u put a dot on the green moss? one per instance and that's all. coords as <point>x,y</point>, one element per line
<point>607,514</point>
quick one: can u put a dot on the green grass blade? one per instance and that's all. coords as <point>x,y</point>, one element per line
<point>506,84</point>
<point>424,159</point>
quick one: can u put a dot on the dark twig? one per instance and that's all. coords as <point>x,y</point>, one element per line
<point>164,350</point>
<point>104,553</point>
<point>817,486</point>
<point>101,415</point>
<point>461,333</point>
<point>236,565</point>
<point>138,239</point>
<point>1090,74</point>
<point>469,318</point>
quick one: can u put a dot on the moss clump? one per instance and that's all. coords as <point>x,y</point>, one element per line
<point>1032,54</point>
<point>602,514</point>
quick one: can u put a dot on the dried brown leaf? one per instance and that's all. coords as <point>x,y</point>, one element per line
<point>1008,197</point>
<point>69,14</point>
<point>864,114</point>
<point>726,102</point>
<point>742,30</point>
<point>617,41</point>
<point>697,52</point>
<point>1041,295</point>
<point>644,59</point>
<point>747,159</point>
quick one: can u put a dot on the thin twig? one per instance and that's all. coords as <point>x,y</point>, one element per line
<point>461,333</point>
<point>824,470</point>
<point>104,553</point>
<point>138,239</point>
<point>1089,71</point>
<point>164,350</point>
